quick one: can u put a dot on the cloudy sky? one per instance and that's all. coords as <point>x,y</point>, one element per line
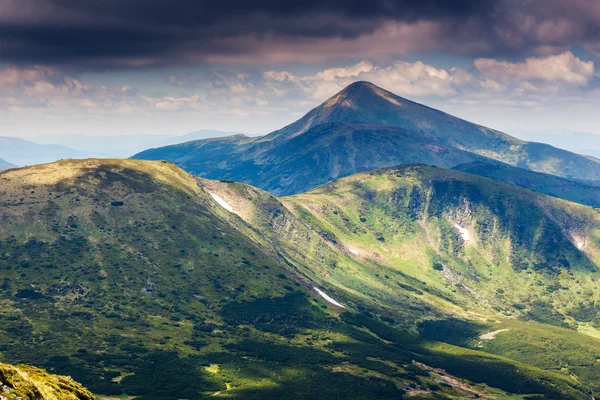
<point>174,66</point>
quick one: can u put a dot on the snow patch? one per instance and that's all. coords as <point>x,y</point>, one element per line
<point>353,251</point>
<point>464,233</point>
<point>580,245</point>
<point>326,297</point>
<point>492,335</point>
<point>221,202</point>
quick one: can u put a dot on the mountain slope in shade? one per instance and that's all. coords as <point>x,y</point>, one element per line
<point>323,153</point>
<point>5,164</point>
<point>29,383</point>
<point>23,152</point>
<point>363,107</point>
<point>578,191</point>
<point>135,279</point>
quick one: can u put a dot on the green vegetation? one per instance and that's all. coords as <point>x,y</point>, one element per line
<point>388,242</point>
<point>129,277</point>
<point>30,383</point>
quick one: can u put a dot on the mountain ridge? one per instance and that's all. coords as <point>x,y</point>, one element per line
<point>137,278</point>
<point>24,152</point>
<point>583,192</point>
<point>363,103</point>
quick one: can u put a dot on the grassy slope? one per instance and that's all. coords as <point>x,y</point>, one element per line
<point>31,383</point>
<point>522,263</point>
<point>572,190</point>
<point>127,276</point>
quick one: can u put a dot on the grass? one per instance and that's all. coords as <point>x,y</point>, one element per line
<point>132,280</point>
<point>32,383</point>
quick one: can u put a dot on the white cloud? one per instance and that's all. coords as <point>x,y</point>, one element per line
<point>562,68</point>
<point>261,101</point>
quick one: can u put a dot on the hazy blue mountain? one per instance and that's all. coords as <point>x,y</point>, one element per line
<point>578,142</point>
<point>141,281</point>
<point>122,146</point>
<point>5,164</point>
<point>578,191</point>
<point>363,127</point>
<point>24,152</point>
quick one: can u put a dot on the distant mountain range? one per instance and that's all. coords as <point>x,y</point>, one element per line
<point>24,152</point>
<point>577,142</point>
<point>49,148</point>
<point>123,146</point>
<point>361,128</point>
<point>5,164</point>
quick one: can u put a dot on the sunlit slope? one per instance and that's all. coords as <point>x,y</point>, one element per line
<point>29,383</point>
<point>450,255</point>
<point>135,279</point>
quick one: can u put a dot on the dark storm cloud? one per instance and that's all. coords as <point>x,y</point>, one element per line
<point>113,33</point>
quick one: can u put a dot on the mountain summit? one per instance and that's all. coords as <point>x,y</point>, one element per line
<point>364,127</point>
<point>367,103</point>
<point>359,102</point>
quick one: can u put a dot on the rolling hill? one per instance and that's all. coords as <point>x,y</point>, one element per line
<point>499,256</point>
<point>138,279</point>
<point>363,127</point>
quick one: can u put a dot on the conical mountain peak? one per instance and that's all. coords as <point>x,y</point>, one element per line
<point>358,102</point>
<point>361,92</point>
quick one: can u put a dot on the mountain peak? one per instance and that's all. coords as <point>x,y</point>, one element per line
<point>358,93</point>
<point>360,101</point>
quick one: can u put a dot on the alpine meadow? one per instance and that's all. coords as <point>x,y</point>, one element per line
<point>155,244</point>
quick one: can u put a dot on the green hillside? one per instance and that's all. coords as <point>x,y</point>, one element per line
<point>362,128</point>
<point>135,279</point>
<point>394,240</point>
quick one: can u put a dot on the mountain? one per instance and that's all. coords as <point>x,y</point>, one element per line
<point>5,164</point>
<point>577,142</point>
<point>123,146</point>
<point>520,266</point>
<point>582,192</point>
<point>340,137</point>
<point>323,153</point>
<point>23,152</point>
<point>140,280</point>
<point>25,382</point>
